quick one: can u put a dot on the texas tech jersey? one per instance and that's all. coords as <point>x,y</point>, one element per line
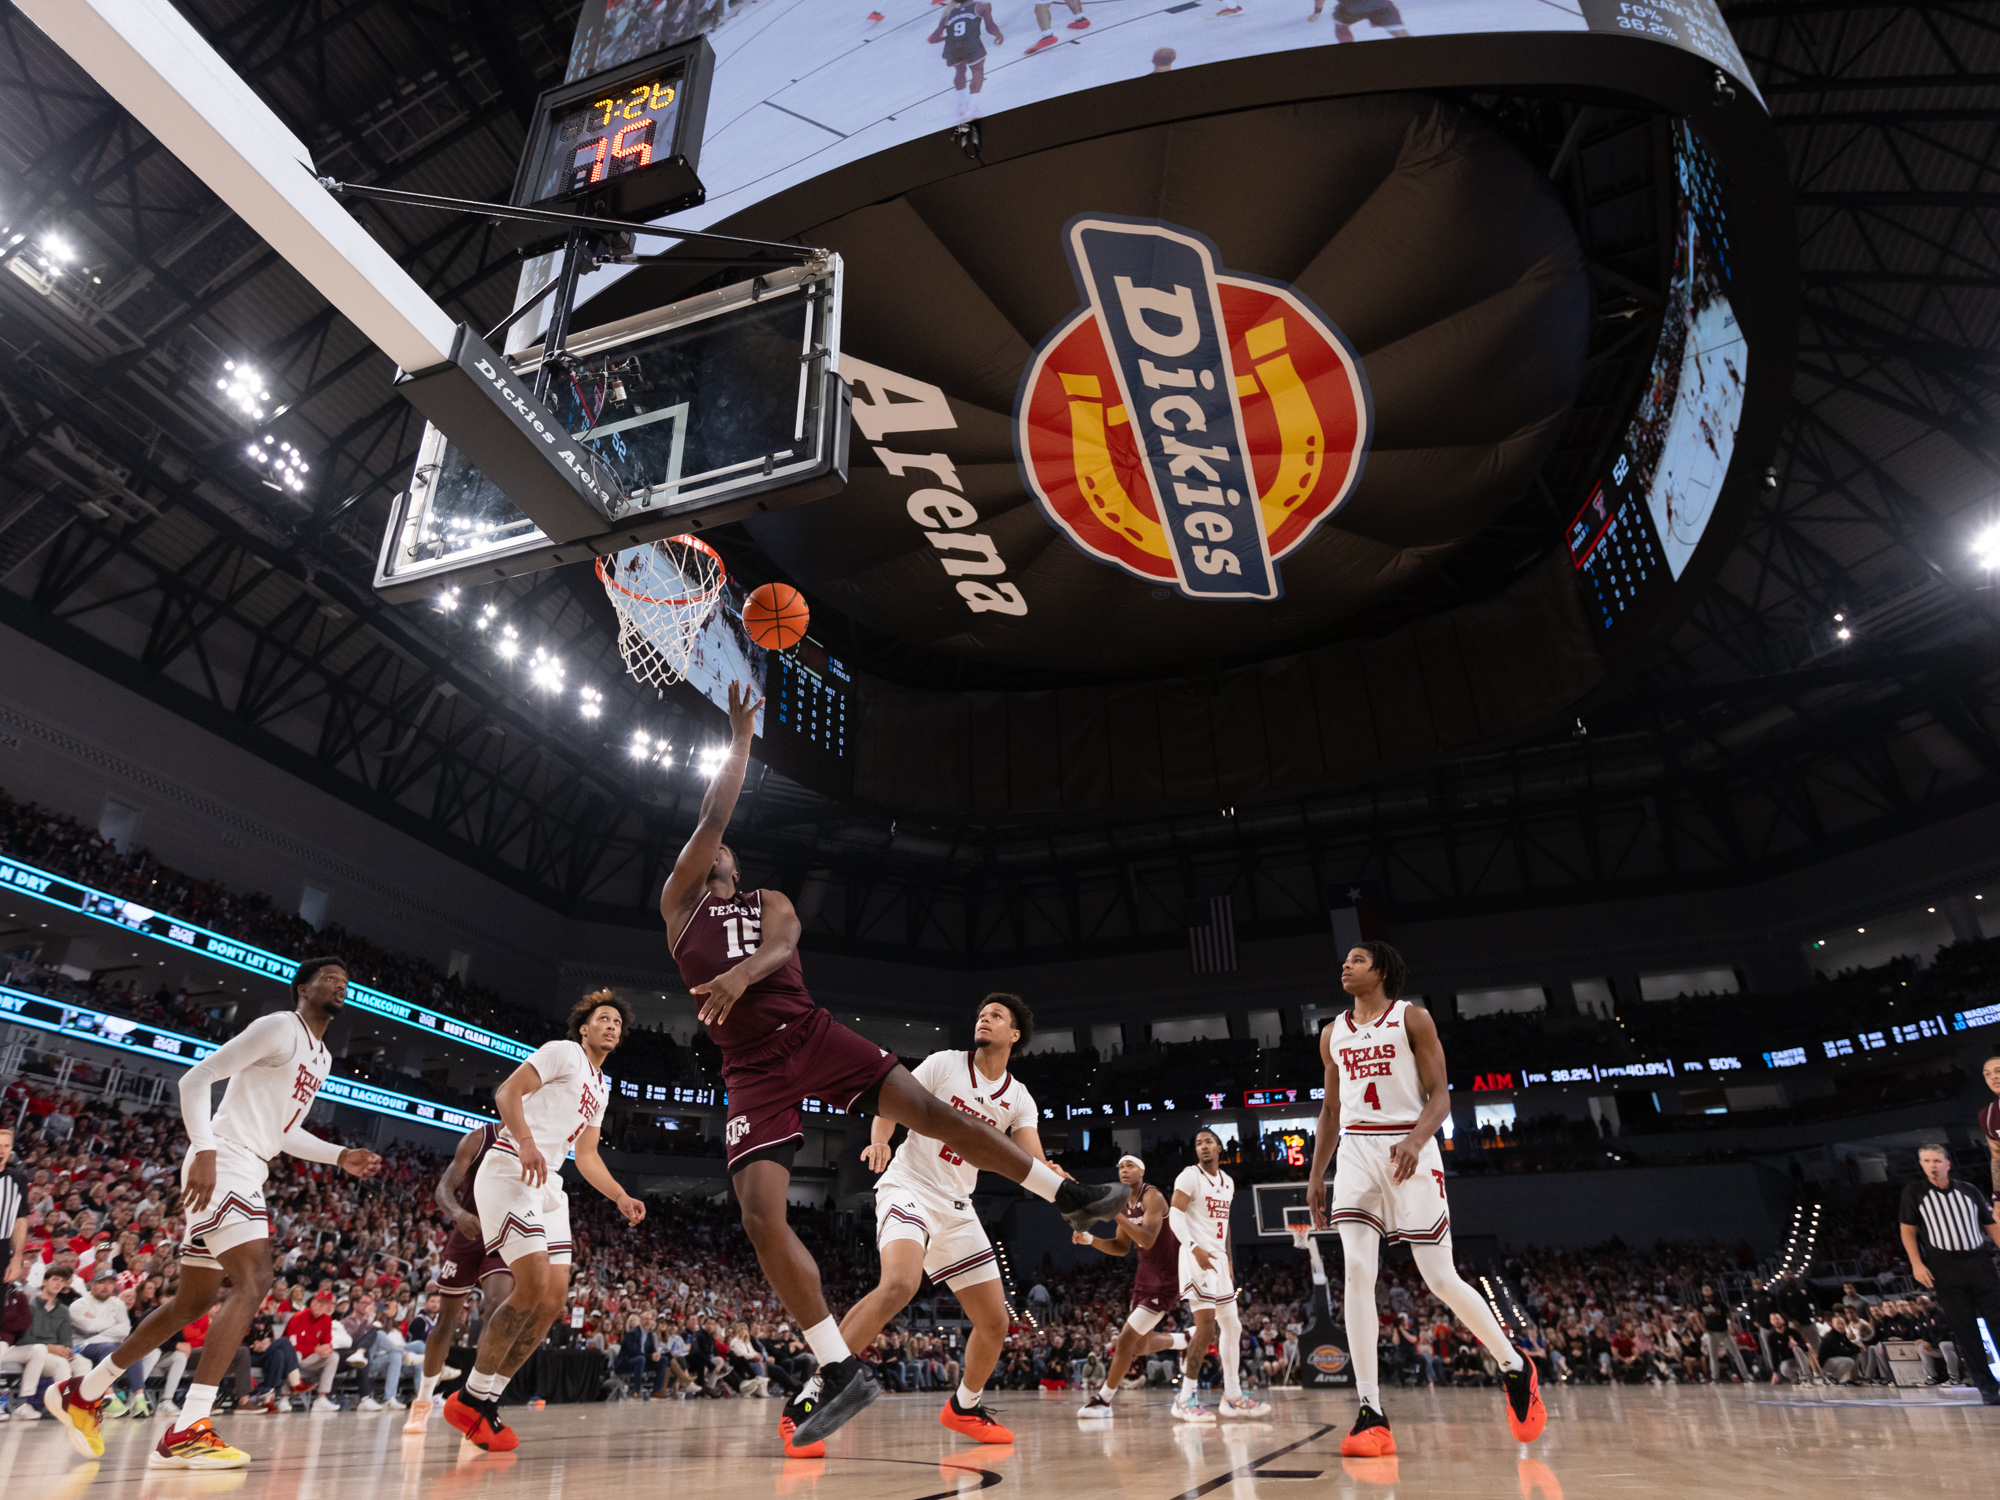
<point>932,1169</point>
<point>1380,1093</point>
<point>720,934</point>
<point>1209,1201</point>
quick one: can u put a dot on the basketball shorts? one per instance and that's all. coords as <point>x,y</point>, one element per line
<point>1150,1294</point>
<point>1365,1191</point>
<point>1374,12</point>
<point>957,1252</point>
<point>817,1058</point>
<point>234,1214</point>
<point>517,1219</point>
<point>464,1264</point>
<point>1210,1288</point>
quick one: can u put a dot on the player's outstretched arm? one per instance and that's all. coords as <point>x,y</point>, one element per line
<point>697,856</point>
<point>778,942</point>
<point>1428,1053</point>
<point>1329,1130</point>
<point>1118,1244</point>
<point>445,1194</point>
<point>591,1165</point>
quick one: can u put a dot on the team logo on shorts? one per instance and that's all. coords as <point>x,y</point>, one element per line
<point>1188,424</point>
<point>737,1129</point>
<point>1328,1359</point>
<point>447,1270</point>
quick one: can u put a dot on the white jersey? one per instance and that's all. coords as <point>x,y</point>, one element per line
<point>275,1067</point>
<point>573,1097</point>
<point>1380,1092</point>
<point>932,1169</point>
<point>1209,1199</point>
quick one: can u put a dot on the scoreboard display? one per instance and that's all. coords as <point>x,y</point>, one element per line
<point>624,143</point>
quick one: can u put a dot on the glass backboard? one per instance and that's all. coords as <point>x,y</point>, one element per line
<point>704,410</point>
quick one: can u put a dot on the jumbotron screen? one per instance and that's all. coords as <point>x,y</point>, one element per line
<point>805,87</point>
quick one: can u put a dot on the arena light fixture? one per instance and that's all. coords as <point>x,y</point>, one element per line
<point>487,616</point>
<point>510,642</point>
<point>590,702</point>
<point>712,760</point>
<point>448,600</point>
<point>1986,548</point>
<point>545,670</point>
<point>242,387</point>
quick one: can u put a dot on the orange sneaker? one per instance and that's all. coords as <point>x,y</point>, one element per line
<point>978,1423</point>
<point>481,1424</point>
<point>1370,1437</point>
<point>1526,1416</point>
<point>811,1450</point>
<point>195,1447</point>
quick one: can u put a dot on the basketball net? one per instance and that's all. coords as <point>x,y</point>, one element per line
<point>664,593</point>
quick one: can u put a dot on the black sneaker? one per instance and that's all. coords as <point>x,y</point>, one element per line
<point>844,1388</point>
<point>1085,1204</point>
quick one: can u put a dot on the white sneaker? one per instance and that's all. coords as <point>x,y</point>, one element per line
<point>1244,1406</point>
<point>168,1409</point>
<point>420,1415</point>
<point>25,1412</point>
<point>323,1404</point>
<point>1189,1409</point>
<point>1094,1410</point>
<point>449,1372</point>
<point>368,1403</point>
<point>357,1358</point>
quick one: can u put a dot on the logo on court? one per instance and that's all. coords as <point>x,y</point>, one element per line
<point>1328,1359</point>
<point>1188,424</point>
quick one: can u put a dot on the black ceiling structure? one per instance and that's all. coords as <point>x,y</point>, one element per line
<point>137,538</point>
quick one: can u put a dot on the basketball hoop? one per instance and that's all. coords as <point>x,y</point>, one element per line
<point>664,593</point>
<point>1301,1236</point>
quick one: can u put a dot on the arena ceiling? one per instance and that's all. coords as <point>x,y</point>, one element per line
<point>135,538</point>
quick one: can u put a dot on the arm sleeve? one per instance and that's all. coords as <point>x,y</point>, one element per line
<point>1909,1208</point>
<point>301,1142</point>
<point>264,1039</point>
<point>1183,1225</point>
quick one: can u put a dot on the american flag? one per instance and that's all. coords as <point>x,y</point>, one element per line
<point>1211,935</point>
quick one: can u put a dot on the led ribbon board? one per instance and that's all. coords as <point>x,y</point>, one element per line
<point>69,895</point>
<point>122,1034</point>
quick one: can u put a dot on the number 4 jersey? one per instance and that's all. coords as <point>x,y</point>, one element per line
<point>1380,1093</point>
<point>929,1168</point>
<point>720,934</point>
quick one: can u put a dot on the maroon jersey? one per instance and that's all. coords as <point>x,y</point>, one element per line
<point>722,933</point>
<point>488,1134</point>
<point>1989,1120</point>
<point>1157,1283</point>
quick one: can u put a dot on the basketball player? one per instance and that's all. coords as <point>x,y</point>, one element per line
<point>924,1220</point>
<point>1385,1098</point>
<point>552,1104</point>
<point>275,1067</point>
<point>1142,1226</point>
<point>1045,18</point>
<point>1203,1196</point>
<point>1989,1122</point>
<point>464,1264</point>
<point>738,952</point>
<point>964,49</point>
<point>1347,14</point>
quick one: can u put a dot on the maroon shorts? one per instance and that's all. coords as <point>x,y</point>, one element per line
<point>464,1264</point>
<point>816,1058</point>
<point>1154,1296</point>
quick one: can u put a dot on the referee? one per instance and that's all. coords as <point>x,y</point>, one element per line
<point>1948,1233</point>
<point>13,1223</point>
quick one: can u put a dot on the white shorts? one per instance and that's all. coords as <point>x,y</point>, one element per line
<point>235,1213</point>
<point>519,1220</point>
<point>1365,1190</point>
<point>1210,1288</point>
<point>957,1251</point>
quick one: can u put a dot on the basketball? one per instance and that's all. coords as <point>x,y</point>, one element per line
<point>775,616</point>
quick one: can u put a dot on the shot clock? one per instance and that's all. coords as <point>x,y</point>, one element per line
<point>625,142</point>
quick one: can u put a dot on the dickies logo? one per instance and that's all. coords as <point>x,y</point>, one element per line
<point>1328,1359</point>
<point>1188,424</point>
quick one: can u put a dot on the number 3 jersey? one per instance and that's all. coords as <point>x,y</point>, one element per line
<point>720,934</point>
<point>1380,1092</point>
<point>929,1168</point>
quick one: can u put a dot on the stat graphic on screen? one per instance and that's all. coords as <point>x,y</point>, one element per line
<point>1636,531</point>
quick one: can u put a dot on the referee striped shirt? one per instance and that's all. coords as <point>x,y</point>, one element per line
<point>1947,1218</point>
<point>12,1201</point>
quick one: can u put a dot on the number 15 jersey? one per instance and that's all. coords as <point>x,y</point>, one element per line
<point>721,933</point>
<point>1380,1092</point>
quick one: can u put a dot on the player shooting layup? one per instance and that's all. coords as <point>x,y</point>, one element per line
<point>551,1105</point>
<point>1156,1285</point>
<point>275,1067</point>
<point>1385,1099</point>
<point>1203,1197</point>
<point>924,1220</point>
<point>465,1263</point>
<point>738,953</point>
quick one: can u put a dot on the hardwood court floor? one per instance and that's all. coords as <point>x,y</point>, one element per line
<point>1750,1444</point>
